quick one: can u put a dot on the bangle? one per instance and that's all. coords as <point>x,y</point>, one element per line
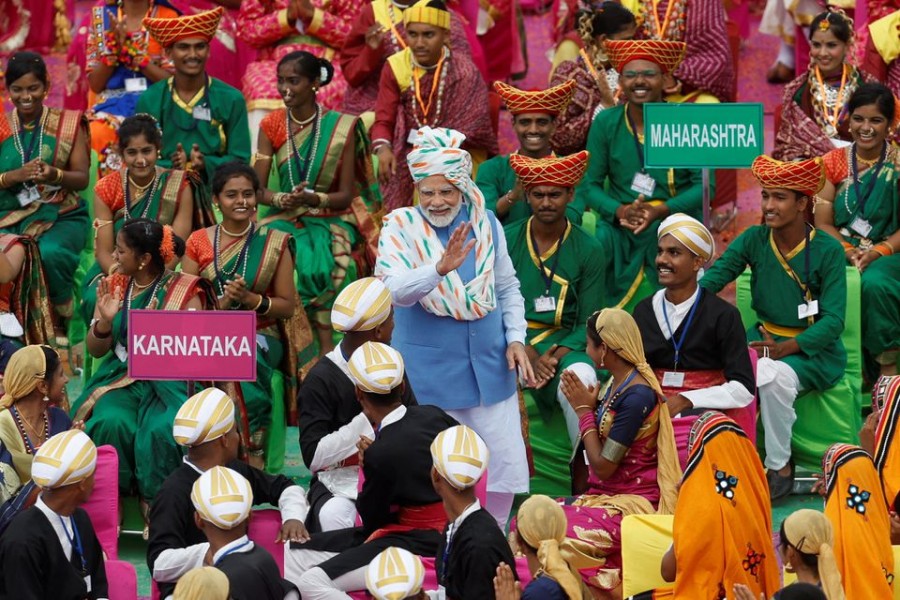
<point>261,297</point>
<point>2,180</point>
<point>278,200</point>
<point>260,156</point>
<point>882,249</point>
<point>265,306</point>
<point>59,176</point>
<point>323,200</point>
<point>586,421</point>
<point>847,246</point>
<point>98,335</point>
<point>890,246</point>
<point>585,433</point>
<point>580,406</point>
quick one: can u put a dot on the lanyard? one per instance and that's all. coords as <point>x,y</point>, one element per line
<point>637,142</point>
<point>445,558</point>
<point>677,344</point>
<point>804,283</point>
<point>608,398</point>
<point>304,165</point>
<point>230,551</point>
<point>35,134</point>
<point>75,540</point>
<point>548,280</point>
<point>426,108</point>
<point>168,99</point>
<point>862,198</point>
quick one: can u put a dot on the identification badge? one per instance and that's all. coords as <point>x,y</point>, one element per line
<point>808,309</point>
<point>861,226</point>
<point>121,353</point>
<point>544,304</point>
<point>28,195</point>
<point>136,84</point>
<point>643,184</point>
<point>839,143</point>
<point>673,379</point>
<point>202,113</point>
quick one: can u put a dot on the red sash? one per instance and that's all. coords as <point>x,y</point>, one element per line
<point>693,380</point>
<point>428,516</point>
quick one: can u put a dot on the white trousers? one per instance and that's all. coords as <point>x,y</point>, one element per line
<point>300,568</point>
<point>588,376</point>
<point>337,513</point>
<point>778,386</point>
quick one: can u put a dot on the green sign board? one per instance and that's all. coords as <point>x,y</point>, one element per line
<point>698,136</point>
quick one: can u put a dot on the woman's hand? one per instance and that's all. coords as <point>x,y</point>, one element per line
<point>387,164</point>
<point>46,173</point>
<point>28,172</point>
<point>867,433</point>
<point>236,290</point>
<point>505,585</point>
<point>545,367</point>
<point>79,425</point>
<point>578,394</point>
<point>109,301</point>
<point>866,259</point>
<point>742,592</point>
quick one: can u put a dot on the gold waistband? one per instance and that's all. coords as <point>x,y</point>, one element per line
<point>782,331</point>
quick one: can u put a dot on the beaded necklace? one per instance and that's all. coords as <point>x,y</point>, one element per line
<point>828,101</point>
<point>223,275</point>
<point>148,195</point>
<point>396,40</point>
<point>30,448</point>
<point>437,84</point>
<point>673,24</point>
<point>303,166</point>
<point>602,417</point>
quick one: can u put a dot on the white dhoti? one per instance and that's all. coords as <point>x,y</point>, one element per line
<point>777,387</point>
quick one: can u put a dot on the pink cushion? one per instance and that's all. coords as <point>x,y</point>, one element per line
<point>103,505</point>
<point>264,527</point>
<point>122,580</point>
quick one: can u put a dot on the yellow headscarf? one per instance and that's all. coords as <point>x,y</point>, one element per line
<point>541,523</point>
<point>27,367</point>
<point>810,532</point>
<point>618,330</point>
<point>204,583</point>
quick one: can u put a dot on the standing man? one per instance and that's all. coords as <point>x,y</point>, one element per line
<point>560,267</point>
<point>630,200</point>
<point>458,309</point>
<point>203,120</point>
<point>799,291</point>
<point>534,121</point>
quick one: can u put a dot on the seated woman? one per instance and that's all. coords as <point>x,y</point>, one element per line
<point>35,387</point>
<point>122,61</point>
<point>596,82</point>
<point>856,506</point>
<point>858,207</point>
<point>628,444</point>
<point>136,416</point>
<point>252,268</point>
<point>44,162</point>
<point>323,164</point>
<point>814,118</point>
<point>877,438</point>
<point>540,529</point>
<point>723,510</point>
<point>140,189</point>
<point>24,307</point>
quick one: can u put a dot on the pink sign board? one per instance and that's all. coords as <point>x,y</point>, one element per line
<point>192,345</point>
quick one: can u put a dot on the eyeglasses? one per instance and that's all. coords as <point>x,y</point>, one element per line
<point>646,74</point>
<point>444,193</point>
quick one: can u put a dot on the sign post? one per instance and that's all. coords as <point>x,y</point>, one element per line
<point>702,136</point>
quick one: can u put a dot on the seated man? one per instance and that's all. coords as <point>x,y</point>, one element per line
<point>206,426</point>
<point>630,199</point>
<point>331,421</point>
<point>223,500</point>
<point>799,291</point>
<point>560,269</point>
<point>427,84</point>
<point>534,121</point>
<point>473,545</point>
<point>395,574</point>
<point>51,550</point>
<point>397,473</point>
<point>710,368</point>
<point>203,120</point>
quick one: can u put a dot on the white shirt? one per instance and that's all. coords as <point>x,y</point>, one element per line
<point>413,285</point>
<point>729,395</point>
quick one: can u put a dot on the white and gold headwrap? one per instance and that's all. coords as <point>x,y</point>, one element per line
<point>408,241</point>
<point>690,232</point>
<point>376,368</point>
<point>460,456</point>
<point>222,497</point>
<point>64,459</point>
<point>395,574</point>
<point>206,416</point>
<point>361,306</point>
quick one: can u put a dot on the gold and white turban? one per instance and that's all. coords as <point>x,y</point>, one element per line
<point>376,368</point>
<point>64,459</point>
<point>460,456</point>
<point>361,306</point>
<point>222,497</point>
<point>690,232</point>
<point>395,574</point>
<point>206,416</point>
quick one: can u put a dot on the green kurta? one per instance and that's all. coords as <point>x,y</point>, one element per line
<point>607,185</point>
<point>577,287</point>
<point>775,296</point>
<point>223,138</point>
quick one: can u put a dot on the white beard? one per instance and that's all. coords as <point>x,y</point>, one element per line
<point>442,221</point>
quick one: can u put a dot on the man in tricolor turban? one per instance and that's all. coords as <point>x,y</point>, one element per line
<point>458,306</point>
<point>560,267</point>
<point>206,426</point>
<point>397,504</point>
<point>630,199</point>
<point>223,499</point>
<point>203,120</point>
<point>427,85</point>
<point>331,421</point>
<point>395,574</point>
<point>534,121</point>
<point>694,341</point>
<point>472,546</point>
<point>50,550</point>
<point>799,291</point>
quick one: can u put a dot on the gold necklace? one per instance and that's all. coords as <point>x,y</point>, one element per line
<point>865,161</point>
<point>140,189</point>
<point>38,434</point>
<point>140,286</point>
<point>303,122</point>
<point>240,234</point>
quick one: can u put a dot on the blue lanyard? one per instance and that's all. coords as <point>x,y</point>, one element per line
<point>75,540</point>
<point>608,398</point>
<point>677,344</point>
<point>230,551</point>
<point>445,559</point>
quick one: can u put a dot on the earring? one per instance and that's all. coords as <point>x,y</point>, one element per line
<point>141,267</point>
<point>46,399</point>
